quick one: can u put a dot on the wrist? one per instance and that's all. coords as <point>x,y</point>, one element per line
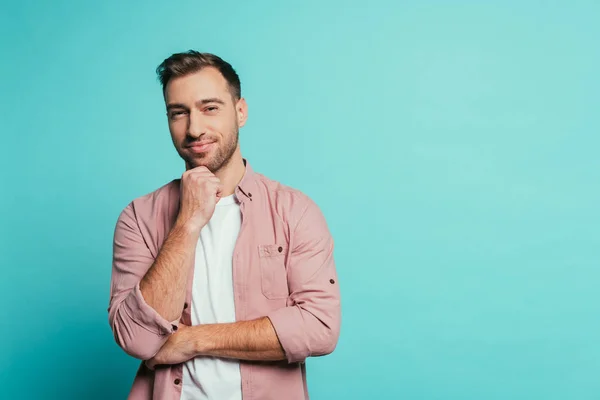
<point>188,227</point>
<point>201,341</point>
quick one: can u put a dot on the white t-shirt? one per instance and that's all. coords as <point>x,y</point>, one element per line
<point>212,302</point>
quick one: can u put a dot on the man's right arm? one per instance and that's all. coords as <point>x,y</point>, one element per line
<point>147,294</point>
<point>164,285</point>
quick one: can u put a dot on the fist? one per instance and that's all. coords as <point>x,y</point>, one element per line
<point>200,191</point>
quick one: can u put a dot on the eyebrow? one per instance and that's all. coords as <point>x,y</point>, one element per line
<point>175,105</point>
<point>210,100</point>
<point>198,103</point>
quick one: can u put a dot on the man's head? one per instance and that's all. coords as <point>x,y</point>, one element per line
<point>204,106</point>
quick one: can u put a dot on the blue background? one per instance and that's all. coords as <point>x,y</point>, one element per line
<point>453,147</point>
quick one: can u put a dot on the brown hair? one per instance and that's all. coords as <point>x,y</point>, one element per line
<point>180,64</point>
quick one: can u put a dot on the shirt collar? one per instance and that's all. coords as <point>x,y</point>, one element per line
<point>245,187</point>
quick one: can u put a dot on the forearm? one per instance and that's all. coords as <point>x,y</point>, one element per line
<point>254,340</point>
<point>164,285</point>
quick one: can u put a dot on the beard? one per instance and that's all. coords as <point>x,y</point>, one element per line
<point>217,158</point>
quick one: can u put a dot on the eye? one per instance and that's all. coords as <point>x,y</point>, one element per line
<point>175,114</point>
<point>211,108</point>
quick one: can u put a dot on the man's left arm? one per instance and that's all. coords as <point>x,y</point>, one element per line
<point>309,327</point>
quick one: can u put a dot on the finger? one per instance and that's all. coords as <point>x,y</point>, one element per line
<point>201,171</point>
<point>204,175</point>
<point>198,171</point>
<point>215,187</point>
<point>208,180</point>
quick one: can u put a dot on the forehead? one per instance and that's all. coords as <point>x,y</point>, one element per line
<point>206,83</point>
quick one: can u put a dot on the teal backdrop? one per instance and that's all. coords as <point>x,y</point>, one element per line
<point>453,147</point>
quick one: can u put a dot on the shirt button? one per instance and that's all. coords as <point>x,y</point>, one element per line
<point>249,194</point>
<point>177,381</point>
<point>174,327</point>
<point>331,281</point>
<point>280,249</point>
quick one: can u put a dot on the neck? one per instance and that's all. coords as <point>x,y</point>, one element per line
<point>231,174</point>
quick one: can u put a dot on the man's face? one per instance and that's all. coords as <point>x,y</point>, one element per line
<point>203,119</point>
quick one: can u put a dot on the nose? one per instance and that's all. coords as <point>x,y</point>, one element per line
<point>196,127</point>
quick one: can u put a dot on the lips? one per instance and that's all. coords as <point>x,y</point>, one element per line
<point>201,147</point>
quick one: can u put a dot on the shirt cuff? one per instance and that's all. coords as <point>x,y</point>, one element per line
<point>146,316</point>
<point>291,335</point>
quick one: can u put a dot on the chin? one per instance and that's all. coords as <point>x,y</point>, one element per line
<point>207,162</point>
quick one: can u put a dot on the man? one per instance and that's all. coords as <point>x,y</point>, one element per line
<point>223,281</point>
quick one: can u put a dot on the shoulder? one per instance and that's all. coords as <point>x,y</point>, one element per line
<point>152,204</point>
<point>290,202</point>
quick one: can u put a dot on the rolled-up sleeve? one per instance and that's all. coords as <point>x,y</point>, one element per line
<point>137,327</point>
<point>311,325</point>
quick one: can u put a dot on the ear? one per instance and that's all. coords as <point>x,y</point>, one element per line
<point>241,109</point>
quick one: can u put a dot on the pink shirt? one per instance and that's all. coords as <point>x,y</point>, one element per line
<point>283,268</point>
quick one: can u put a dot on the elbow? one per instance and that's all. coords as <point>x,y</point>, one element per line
<point>138,329</point>
<point>136,348</point>
<point>134,339</point>
<point>305,333</point>
<point>325,343</point>
<point>329,347</point>
<point>141,353</point>
<point>328,335</point>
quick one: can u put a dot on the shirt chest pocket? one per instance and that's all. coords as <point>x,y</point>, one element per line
<point>273,274</point>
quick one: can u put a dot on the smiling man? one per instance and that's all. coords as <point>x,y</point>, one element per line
<point>224,280</point>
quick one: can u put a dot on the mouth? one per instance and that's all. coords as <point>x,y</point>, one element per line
<point>201,147</point>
